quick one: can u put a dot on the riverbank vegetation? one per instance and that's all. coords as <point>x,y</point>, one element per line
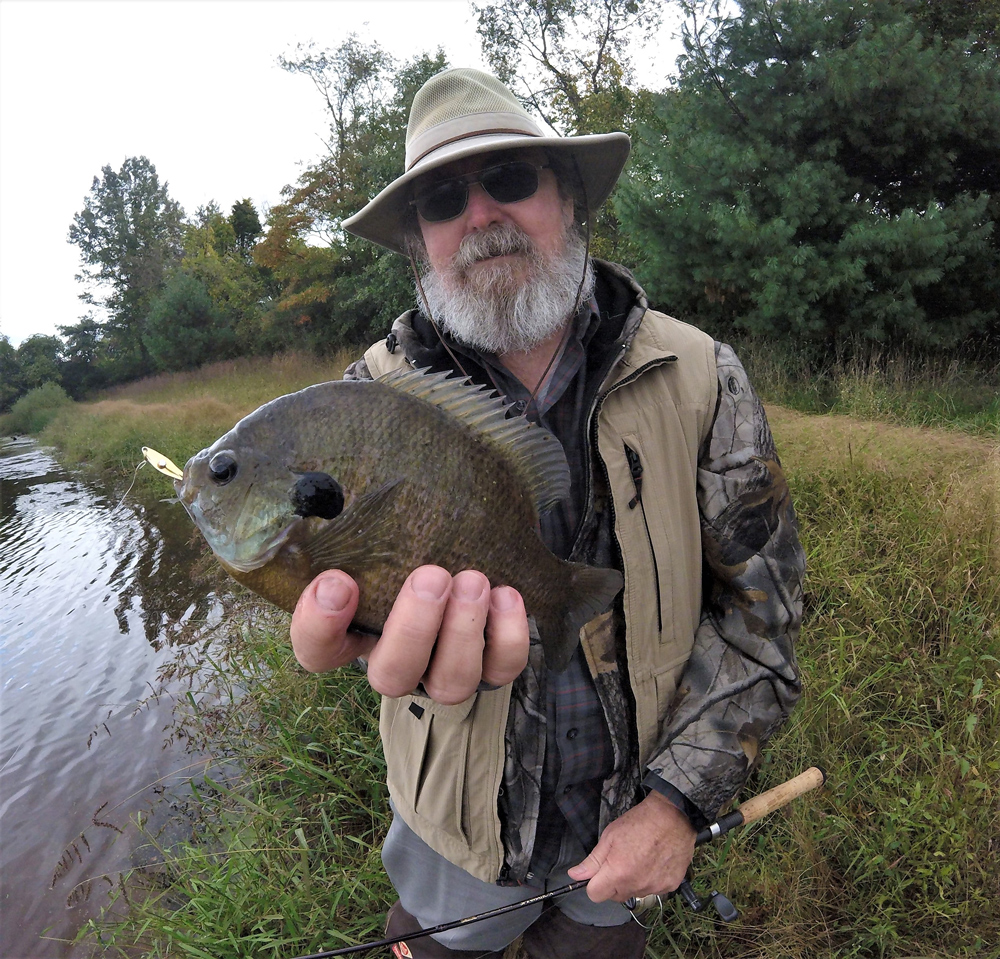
<point>900,650</point>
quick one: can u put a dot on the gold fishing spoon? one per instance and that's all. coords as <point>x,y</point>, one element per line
<point>162,463</point>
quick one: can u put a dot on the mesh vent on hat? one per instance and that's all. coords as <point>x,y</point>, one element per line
<point>462,103</point>
<point>459,93</point>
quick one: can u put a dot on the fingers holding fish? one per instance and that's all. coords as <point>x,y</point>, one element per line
<point>456,666</point>
<point>449,634</point>
<point>400,658</point>
<point>507,637</point>
<point>319,630</point>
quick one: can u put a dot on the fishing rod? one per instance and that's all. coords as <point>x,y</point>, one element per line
<point>750,811</point>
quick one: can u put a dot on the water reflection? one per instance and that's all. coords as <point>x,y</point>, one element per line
<point>91,596</point>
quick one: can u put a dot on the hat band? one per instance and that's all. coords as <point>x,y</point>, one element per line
<point>484,133</point>
<point>462,128</point>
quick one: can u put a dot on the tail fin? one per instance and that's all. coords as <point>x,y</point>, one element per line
<point>592,590</point>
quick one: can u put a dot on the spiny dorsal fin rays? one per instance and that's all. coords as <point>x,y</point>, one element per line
<point>532,450</point>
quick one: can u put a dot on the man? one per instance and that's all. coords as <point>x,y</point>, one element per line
<point>507,777</point>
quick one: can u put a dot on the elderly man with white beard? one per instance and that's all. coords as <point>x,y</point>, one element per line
<point>505,776</point>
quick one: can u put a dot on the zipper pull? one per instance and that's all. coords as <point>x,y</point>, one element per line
<point>635,469</point>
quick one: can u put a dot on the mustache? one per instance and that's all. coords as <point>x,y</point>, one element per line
<point>499,240</point>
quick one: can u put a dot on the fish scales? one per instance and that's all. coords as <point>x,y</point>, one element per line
<point>379,478</point>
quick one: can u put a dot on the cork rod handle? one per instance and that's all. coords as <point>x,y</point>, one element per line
<point>764,804</point>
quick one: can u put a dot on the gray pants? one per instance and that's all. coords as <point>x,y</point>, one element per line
<point>436,891</point>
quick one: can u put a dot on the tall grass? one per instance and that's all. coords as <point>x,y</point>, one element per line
<point>897,856</point>
<point>898,388</point>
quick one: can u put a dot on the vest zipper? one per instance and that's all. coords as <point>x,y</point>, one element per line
<point>635,469</point>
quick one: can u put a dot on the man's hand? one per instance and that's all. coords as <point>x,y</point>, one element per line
<point>448,632</point>
<point>644,852</point>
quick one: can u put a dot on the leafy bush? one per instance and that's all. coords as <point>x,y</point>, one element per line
<point>35,410</point>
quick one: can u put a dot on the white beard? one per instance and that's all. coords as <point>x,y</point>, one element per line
<point>489,309</point>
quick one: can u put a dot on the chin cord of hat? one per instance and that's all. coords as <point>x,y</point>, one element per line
<point>569,325</point>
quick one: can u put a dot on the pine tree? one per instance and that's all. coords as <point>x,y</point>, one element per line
<point>824,171</point>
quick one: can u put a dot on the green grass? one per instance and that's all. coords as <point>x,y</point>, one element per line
<point>901,389</point>
<point>896,857</point>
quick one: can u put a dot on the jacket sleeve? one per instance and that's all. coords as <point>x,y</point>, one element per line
<point>741,681</point>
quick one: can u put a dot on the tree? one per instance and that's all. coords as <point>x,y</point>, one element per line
<point>39,359</point>
<point>246,225</point>
<point>85,365</point>
<point>10,374</point>
<point>824,171</point>
<point>974,20</point>
<point>334,289</point>
<point>218,254</point>
<point>129,234</point>
<point>185,328</point>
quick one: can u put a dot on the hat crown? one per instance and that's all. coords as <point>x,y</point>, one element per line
<point>461,103</point>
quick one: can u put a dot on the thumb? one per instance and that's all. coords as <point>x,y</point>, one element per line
<point>586,869</point>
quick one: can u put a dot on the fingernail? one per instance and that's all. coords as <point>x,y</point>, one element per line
<point>430,582</point>
<point>504,599</point>
<point>468,588</point>
<point>332,594</point>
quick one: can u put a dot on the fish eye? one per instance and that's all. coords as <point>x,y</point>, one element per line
<point>223,467</point>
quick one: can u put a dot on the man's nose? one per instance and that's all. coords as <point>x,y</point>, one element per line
<point>482,210</point>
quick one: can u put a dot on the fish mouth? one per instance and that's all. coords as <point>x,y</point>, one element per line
<point>263,558</point>
<point>225,541</point>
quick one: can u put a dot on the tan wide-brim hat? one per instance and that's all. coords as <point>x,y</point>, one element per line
<point>462,112</point>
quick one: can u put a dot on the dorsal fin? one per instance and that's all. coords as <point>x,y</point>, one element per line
<point>533,452</point>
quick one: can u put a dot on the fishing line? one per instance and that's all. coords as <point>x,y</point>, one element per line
<point>135,476</point>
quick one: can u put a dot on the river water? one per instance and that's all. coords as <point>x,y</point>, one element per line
<point>91,598</point>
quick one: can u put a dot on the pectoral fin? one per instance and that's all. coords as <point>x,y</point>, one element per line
<point>363,536</point>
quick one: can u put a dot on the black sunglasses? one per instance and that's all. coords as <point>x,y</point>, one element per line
<point>505,182</point>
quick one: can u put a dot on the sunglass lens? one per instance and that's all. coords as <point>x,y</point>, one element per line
<point>511,182</point>
<point>444,202</point>
<point>506,183</point>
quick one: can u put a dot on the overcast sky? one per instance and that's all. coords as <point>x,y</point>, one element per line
<point>193,85</point>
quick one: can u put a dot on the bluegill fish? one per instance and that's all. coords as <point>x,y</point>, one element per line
<point>377,478</point>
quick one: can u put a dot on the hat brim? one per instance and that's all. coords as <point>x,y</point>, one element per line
<point>600,159</point>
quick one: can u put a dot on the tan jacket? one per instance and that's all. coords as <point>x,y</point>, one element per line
<point>445,763</point>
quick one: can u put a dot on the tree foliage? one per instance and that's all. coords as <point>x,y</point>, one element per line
<point>185,327</point>
<point>569,60</point>
<point>129,235</point>
<point>334,288</point>
<point>39,358</point>
<point>10,374</point>
<point>825,171</point>
<point>85,366</point>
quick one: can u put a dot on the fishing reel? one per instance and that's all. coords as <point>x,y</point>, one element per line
<point>723,907</point>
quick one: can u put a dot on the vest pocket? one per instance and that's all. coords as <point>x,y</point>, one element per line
<point>427,754</point>
<point>636,470</point>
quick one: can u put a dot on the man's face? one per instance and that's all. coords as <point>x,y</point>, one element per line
<point>504,277</point>
<point>543,217</point>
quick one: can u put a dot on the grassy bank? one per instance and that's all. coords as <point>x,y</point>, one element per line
<point>900,389</point>
<point>896,857</point>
